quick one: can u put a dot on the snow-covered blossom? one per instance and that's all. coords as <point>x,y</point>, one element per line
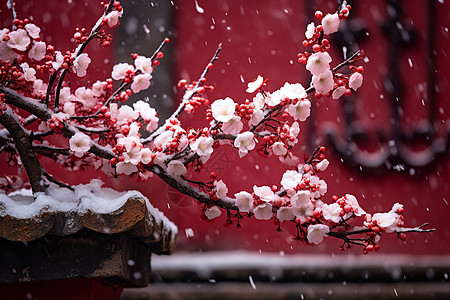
<point>355,81</point>
<point>245,142</point>
<point>275,98</point>
<point>318,63</point>
<point>126,113</point>
<point>265,193</point>
<point>220,188</point>
<point>19,40</point>
<point>285,214</point>
<point>133,155</point>
<point>244,201</point>
<point>97,88</point>
<point>33,30</point>
<point>259,101</point>
<point>263,211</point>
<point>323,83</point>
<point>176,168</point>
<point>38,51</point>
<point>113,18</point>
<point>80,64</point>
<point>212,212</point>
<point>301,110</point>
<point>293,90</point>
<point>322,165</point>
<point>3,32</point>
<point>338,92</point>
<point>291,179</point>
<point>233,125</point>
<point>310,30</point>
<point>279,148</point>
<point>332,212</point>
<point>144,64</point>
<point>141,82</point>
<point>147,113</point>
<point>28,72</point>
<point>80,143</point>
<point>385,220</point>
<point>6,52</point>
<point>357,210</point>
<point>59,59</point>
<point>330,23</point>
<point>255,85</point>
<point>256,117</point>
<point>126,168</point>
<point>120,71</point>
<point>223,109</point>
<point>316,233</point>
<point>202,146</point>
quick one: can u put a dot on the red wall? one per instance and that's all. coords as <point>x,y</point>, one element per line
<point>264,37</point>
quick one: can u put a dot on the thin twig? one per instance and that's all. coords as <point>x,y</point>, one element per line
<point>187,96</point>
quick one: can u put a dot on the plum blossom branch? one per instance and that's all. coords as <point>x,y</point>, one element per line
<point>187,96</point>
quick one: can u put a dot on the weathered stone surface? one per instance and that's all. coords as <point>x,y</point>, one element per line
<point>15,229</point>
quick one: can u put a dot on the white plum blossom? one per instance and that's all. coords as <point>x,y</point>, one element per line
<point>80,143</point>
<point>338,92</point>
<point>176,168</point>
<point>316,233</point>
<point>244,201</point>
<point>19,40</point>
<point>133,155</point>
<point>330,23</point>
<point>85,96</point>
<point>332,212</point>
<point>263,211</point>
<point>28,72</point>
<point>38,51</point>
<point>146,156</point>
<point>212,212</point>
<point>355,81</point>
<point>80,64</point>
<point>120,71</point>
<point>245,142</point>
<point>126,168</point>
<point>303,207</point>
<point>279,148</point>
<point>256,117</point>
<point>265,193</point>
<point>318,63</point>
<point>223,109</point>
<point>322,165</point>
<point>97,88</point>
<point>323,83</point>
<point>144,64</point>
<point>6,52</point>
<point>285,214</point>
<point>220,188</point>
<point>301,110</point>
<point>141,82</point>
<point>113,18</point>
<point>309,33</point>
<point>385,220</point>
<point>33,30</point>
<point>255,85</point>
<point>202,146</point>
<point>233,125</point>
<point>259,101</point>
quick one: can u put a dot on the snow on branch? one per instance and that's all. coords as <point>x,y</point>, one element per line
<point>40,111</point>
